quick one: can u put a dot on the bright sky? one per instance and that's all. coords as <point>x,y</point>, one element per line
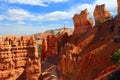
<point>25,17</point>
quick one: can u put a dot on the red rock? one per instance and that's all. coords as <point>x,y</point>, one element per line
<point>14,53</point>
<point>43,49</point>
<point>33,69</point>
<point>52,44</point>
<point>49,46</point>
<point>86,56</point>
<point>82,22</point>
<point>101,14</point>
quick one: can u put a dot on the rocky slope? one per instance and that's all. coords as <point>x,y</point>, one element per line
<point>86,54</point>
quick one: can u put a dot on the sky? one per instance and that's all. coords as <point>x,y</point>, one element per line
<point>26,17</point>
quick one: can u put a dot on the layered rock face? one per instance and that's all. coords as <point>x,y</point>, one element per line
<point>43,49</point>
<point>33,69</point>
<point>101,14</point>
<point>14,54</point>
<point>49,46</point>
<point>82,22</point>
<point>52,44</point>
<point>84,55</point>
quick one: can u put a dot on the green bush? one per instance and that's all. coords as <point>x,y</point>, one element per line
<point>102,20</point>
<point>116,57</point>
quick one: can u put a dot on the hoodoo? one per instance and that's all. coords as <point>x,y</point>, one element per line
<point>87,54</point>
<point>101,14</point>
<point>14,56</point>
<point>82,22</point>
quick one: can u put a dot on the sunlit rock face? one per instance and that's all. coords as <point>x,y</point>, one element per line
<point>49,46</point>
<point>86,54</point>
<point>33,69</point>
<point>82,22</point>
<point>14,54</point>
<point>101,14</point>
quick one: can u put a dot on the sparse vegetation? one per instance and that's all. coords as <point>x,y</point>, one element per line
<point>102,20</point>
<point>116,57</point>
<point>39,48</point>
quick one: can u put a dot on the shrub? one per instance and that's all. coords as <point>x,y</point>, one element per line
<point>102,20</point>
<point>39,49</point>
<point>116,57</point>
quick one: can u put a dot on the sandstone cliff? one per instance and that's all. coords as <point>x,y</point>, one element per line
<point>84,55</point>
<point>14,54</point>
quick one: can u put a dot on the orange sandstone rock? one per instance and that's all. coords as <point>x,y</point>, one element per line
<point>101,14</point>
<point>33,69</point>
<point>52,44</point>
<point>14,53</point>
<point>43,49</point>
<point>82,22</point>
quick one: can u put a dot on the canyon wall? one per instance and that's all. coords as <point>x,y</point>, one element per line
<point>33,69</point>
<point>14,54</point>
<point>49,46</point>
<point>85,55</point>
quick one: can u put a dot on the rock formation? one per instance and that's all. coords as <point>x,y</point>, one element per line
<point>43,49</point>
<point>52,44</point>
<point>82,22</point>
<point>33,69</point>
<point>14,54</point>
<point>51,47</point>
<point>40,36</point>
<point>101,14</point>
<point>86,55</point>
